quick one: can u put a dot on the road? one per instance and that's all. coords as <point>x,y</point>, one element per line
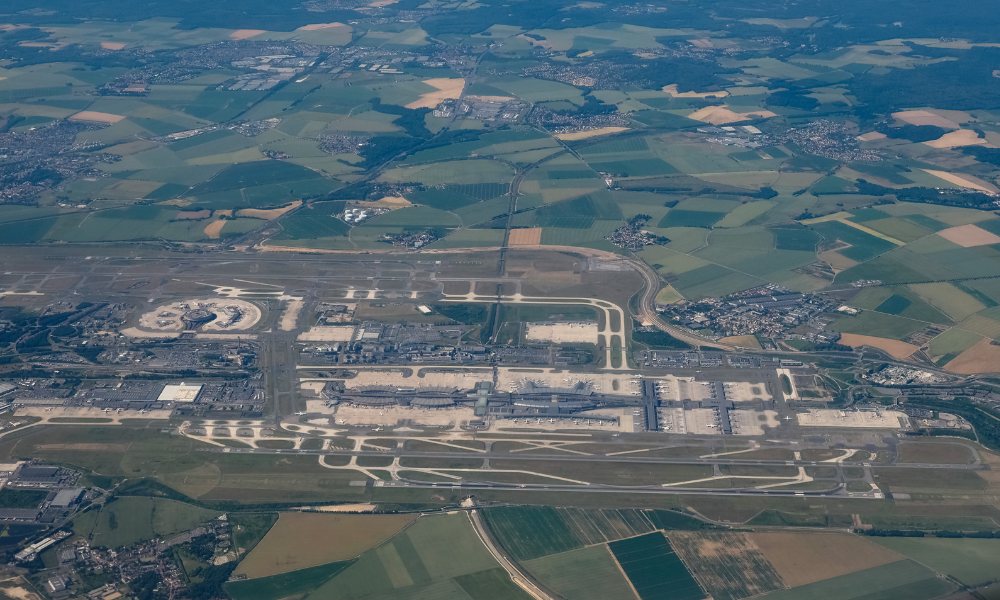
<point>522,580</point>
<point>612,330</point>
<point>647,310</point>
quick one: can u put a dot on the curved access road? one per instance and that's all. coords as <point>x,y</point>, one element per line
<point>647,301</point>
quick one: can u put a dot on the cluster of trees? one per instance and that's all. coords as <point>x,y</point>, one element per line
<point>919,533</point>
<point>984,418</point>
<point>946,197</point>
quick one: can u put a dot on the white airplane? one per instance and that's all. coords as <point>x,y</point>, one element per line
<point>377,429</point>
<point>300,413</point>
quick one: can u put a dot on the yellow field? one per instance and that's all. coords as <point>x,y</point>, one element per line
<point>93,116</point>
<point>742,341</point>
<point>969,236</point>
<point>871,231</point>
<point>957,139</point>
<point>966,181</point>
<point>871,136</point>
<point>984,357</point>
<point>925,117</point>
<point>837,216</point>
<point>721,115</point>
<point>895,348</point>
<point>668,295</point>
<point>267,214</point>
<point>837,261</point>
<point>445,89</point>
<point>302,540</point>
<point>320,26</point>
<point>214,229</point>
<point>245,34</point>
<point>531,236</point>
<point>802,558</point>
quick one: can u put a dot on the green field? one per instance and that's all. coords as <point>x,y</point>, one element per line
<point>529,532</point>
<point>313,221</point>
<point>285,585</point>
<point>690,218</point>
<point>437,557</point>
<point>586,573</point>
<point>974,562</point>
<point>877,324</point>
<point>863,246</point>
<point>901,579</point>
<point>132,519</point>
<point>654,570</point>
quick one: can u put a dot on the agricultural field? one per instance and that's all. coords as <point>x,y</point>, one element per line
<point>529,532</point>
<point>801,558</point>
<point>972,562</point>
<point>285,585</point>
<point>654,569</point>
<point>900,579</point>
<point>296,541</point>
<point>585,573</point>
<point>747,167</point>
<point>438,556</point>
<point>728,565</point>
<point>811,179</point>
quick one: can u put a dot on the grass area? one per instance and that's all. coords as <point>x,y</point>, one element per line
<point>974,562</point>
<point>901,579</point>
<point>317,220</point>
<point>654,569</point>
<point>585,574</point>
<point>927,480</point>
<point>878,325</point>
<point>607,472</point>
<point>786,384</point>
<point>249,528</point>
<point>942,453</point>
<point>132,519</point>
<point>187,466</point>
